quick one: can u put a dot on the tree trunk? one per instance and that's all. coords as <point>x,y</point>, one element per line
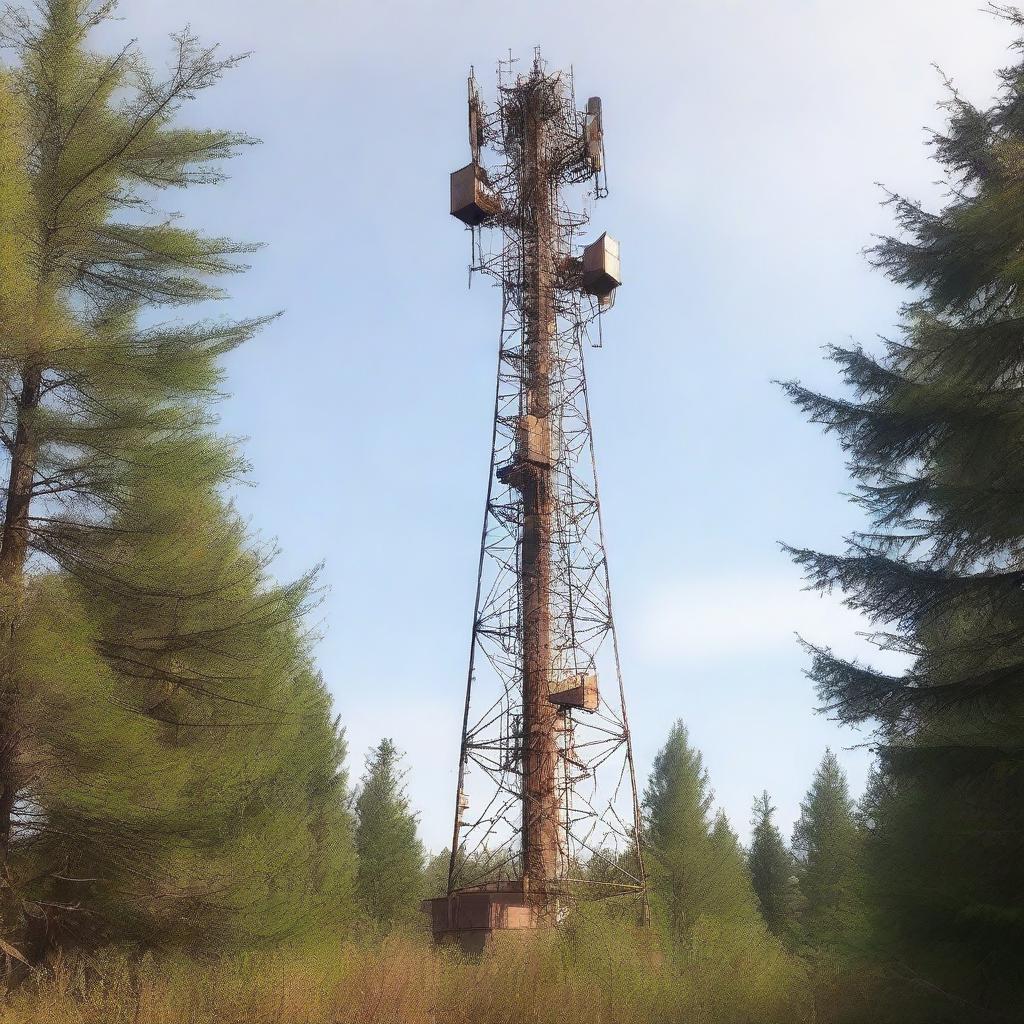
<point>14,544</point>
<point>13,553</point>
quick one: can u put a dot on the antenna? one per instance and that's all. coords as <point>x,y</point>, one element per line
<point>477,118</point>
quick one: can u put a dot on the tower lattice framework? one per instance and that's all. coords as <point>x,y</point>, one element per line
<point>546,807</point>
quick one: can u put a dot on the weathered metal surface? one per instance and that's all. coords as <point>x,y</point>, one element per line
<point>471,916</point>
<point>549,767</point>
<point>579,691</point>
<point>541,831</point>
<point>602,269</point>
<point>471,202</point>
<point>593,134</point>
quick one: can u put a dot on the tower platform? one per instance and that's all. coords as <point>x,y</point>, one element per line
<point>471,916</point>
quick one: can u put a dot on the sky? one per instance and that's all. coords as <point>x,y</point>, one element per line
<point>744,143</point>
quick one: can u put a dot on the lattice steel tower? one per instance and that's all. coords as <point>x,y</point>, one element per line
<point>546,808</point>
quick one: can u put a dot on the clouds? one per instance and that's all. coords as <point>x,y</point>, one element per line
<point>718,619</point>
<point>724,645</point>
<point>743,141</point>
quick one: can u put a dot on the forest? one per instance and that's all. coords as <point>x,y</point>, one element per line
<point>182,837</point>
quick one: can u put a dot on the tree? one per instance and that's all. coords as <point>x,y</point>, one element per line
<point>772,870</point>
<point>696,869</point>
<point>249,838</point>
<point>827,846</point>
<point>933,431</point>
<point>730,889</point>
<point>435,875</point>
<point>98,143</point>
<point>157,817</point>
<point>84,141</point>
<point>391,858</point>
<point>169,767</point>
<point>16,289</point>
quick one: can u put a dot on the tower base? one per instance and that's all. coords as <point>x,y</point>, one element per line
<point>470,917</point>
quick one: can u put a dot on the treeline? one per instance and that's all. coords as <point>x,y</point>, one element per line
<point>807,895</point>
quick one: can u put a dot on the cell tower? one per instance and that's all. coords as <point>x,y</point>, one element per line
<point>546,808</point>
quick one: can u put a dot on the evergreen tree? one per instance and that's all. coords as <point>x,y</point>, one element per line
<point>933,432</point>
<point>435,875</point>
<point>16,291</point>
<point>253,828</point>
<point>827,846</point>
<point>390,877</point>
<point>85,387</point>
<point>772,870</point>
<point>156,817</point>
<point>98,143</point>
<point>169,767</point>
<point>695,869</point>
<point>730,889</point>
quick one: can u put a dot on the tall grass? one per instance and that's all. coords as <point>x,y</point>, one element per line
<point>584,975</point>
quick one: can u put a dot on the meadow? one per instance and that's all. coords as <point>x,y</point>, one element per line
<point>578,977</point>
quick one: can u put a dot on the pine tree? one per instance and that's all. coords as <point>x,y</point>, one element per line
<point>933,432</point>
<point>169,767</point>
<point>772,870</point>
<point>677,802</point>
<point>390,877</point>
<point>86,141</point>
<point>252,841</point>
<point>16,292</point>
<point>730,890</point>
<point>696,869</point>
<point>435,875</point>
<point>98,142</point>
<point>827,846</point>
<point>159,819</point>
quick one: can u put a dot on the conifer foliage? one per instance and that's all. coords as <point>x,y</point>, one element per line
<point>696,867</point>
<point>169,767</point>
<point>934,432</point>
<point>772,870</point>
<point>391,879</point>
<point>827,845</point>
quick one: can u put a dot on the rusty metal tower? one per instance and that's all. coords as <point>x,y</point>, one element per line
<point>546,809</point>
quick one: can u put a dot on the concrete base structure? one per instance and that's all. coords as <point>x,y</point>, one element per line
<point>470,917</point>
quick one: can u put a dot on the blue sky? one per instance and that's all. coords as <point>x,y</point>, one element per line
<point>743,141</point>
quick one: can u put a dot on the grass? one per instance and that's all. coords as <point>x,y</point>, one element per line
<point>582,976</point>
